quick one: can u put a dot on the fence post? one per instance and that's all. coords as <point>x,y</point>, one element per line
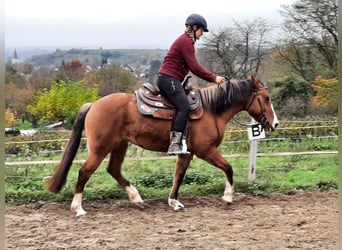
<point>255,132</point>
<point>252,159</point>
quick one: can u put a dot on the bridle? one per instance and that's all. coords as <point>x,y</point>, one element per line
<point>264,120</point>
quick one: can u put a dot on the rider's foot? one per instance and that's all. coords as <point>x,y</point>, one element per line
<point>175,147</point>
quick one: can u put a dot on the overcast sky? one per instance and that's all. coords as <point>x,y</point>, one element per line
<point>120,24</point>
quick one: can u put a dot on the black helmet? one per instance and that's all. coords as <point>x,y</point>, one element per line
<point>196,19</point>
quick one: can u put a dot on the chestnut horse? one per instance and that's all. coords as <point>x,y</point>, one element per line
<point>113,121</point>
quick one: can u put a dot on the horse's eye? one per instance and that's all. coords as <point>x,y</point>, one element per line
<point>267,99</point>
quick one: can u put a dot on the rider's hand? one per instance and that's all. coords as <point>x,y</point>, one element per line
<point>220,80</point>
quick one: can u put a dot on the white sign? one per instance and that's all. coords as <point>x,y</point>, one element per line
<point>256,131</point>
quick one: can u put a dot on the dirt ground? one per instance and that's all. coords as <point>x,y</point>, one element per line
<point>298,221</point>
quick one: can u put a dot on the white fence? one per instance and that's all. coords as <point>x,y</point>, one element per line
<point>10,162</point>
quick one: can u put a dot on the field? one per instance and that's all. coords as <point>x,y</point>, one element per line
<point>153,178</point>
<point>293,200</point>
<point>289,161</point>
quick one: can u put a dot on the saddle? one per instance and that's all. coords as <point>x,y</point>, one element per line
<point>151,103</point>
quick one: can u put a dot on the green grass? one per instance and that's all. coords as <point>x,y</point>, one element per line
<point>154,178</point>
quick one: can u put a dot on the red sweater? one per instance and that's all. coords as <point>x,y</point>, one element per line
<point>181,59</point>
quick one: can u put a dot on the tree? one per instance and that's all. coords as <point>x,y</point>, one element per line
<point>18,98</point>
<point>111,79</point>
<point>311,36</point>
<point>238,50</point>
<point>72,71</point>
<point>293,96</point>
<point>41,78</point>
<point>155,65</point>
<point>9,119</point>
<point>326,93</point>
<point>26,68</point>
<point>12,75</point>
<point>61,102</point>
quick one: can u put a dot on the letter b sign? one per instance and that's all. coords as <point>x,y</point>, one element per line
<point>255,131</point>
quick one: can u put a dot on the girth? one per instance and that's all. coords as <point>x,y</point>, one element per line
<point>151,103</point>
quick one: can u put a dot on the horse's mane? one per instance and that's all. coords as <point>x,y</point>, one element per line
<point>218,99</point>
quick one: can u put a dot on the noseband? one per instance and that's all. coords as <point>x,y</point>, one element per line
<point>264,120</point>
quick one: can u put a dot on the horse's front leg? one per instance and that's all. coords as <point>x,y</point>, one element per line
<point>181,167</point>
<point>214,157</point>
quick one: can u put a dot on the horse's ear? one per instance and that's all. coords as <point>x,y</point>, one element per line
<point>254,81</point>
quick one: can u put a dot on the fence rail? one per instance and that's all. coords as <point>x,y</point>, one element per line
<point>45,162</point>
<point>333,124</point>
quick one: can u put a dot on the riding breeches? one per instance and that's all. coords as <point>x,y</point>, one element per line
<point>173,90</point>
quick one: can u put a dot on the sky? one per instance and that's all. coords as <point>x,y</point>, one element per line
<point>120,24</point>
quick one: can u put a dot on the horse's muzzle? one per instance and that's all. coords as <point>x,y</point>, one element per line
<point>267,125</point>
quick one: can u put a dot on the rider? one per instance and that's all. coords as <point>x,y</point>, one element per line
<point>179,60</point>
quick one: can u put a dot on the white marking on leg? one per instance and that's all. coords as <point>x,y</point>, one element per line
<point>133,194</point>
<point>228,193</point>
<point>76,205</point>
<point>176,204</point>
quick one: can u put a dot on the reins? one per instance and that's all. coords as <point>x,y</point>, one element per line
<point>241,124</point>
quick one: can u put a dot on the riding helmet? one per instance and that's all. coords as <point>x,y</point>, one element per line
<point>196,19</point>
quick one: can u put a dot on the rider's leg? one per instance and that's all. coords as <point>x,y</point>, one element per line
<point>178,127</point>
<point>173,90</point>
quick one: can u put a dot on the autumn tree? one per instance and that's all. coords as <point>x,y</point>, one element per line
<point>326,93</point>
<point>72,71</point>
<point>61,102</point>
<point>9,119</point>
<point>17,99</point>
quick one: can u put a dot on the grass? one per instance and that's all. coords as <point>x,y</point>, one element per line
<point>153,178</point>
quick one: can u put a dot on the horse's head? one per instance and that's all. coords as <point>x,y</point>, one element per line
<point>260,106</point>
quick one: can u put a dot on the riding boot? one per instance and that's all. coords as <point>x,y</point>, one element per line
<point>175,147</point>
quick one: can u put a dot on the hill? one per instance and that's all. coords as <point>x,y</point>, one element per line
<point>94,57</point>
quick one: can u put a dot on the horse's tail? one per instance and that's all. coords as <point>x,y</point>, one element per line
<point>57,181</point>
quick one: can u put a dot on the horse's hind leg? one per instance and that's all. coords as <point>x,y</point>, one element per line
<point>114,169</point>
<point>88,168</point>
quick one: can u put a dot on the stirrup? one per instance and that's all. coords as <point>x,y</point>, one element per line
<point>176,149</point>
<point>184,146</point>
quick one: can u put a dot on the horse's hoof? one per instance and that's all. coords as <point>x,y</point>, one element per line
<point>133,194</point>
<point>80,213</point>
<point>140,205</point>
<point>177,206</point>
<point>228,199</point>
<point>179,209</point>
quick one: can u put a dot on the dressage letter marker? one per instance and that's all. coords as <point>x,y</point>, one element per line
<point>255,132</point>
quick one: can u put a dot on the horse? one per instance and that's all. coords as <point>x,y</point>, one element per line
<point>114,121</point>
